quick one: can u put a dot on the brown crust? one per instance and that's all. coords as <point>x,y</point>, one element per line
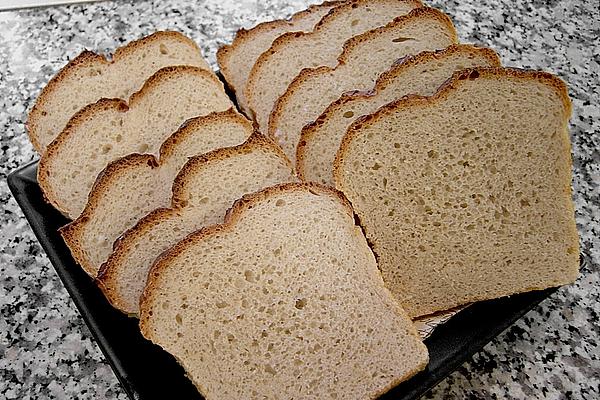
<point>72,232</point>
<point>307,73</point>
<point>243,36</point>
<point>309,131</point>
<point>107,276</point>
<point>84,60</point>
<point>457,79</point>
<point>283,40</point>
<point>53,149</point>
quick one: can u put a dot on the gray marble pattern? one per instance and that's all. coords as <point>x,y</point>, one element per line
<point>46,351</point>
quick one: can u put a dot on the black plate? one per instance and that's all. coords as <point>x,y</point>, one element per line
<point>148,372</point>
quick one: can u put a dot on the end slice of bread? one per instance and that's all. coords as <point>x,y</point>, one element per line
<point>466,195</point>
<point>364,58</point>
<point>134,185</point>
<point>284,300</point>
<point>202,192</point>
<point>290,53</point>
<point>90,77</point>
<point>236,60</point>
<point>421,74</point>
<point>111,128</point>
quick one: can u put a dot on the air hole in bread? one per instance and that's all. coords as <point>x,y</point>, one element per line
<point>348,114</point>
<point>300,304</point>
<point>280,203</point>
<point>106,148</point>
<point>402,39</point>
<point>354,22</point>
<point>143,148</point>
<point>163,49</point>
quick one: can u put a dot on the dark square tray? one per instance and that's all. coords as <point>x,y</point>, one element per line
<point>148,372</point>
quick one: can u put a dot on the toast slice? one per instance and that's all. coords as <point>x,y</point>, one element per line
<point>283,300</point>
<point>290,53</point>
<point>134,185</point>
<point>203,190</point>
<point>236,60</point>
<point>90,76</point>
<point>111,128</point>
<point>364,58</point>
<point>421,74</point>
<point>466,195</point>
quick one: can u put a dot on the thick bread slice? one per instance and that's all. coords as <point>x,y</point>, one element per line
<point>466,195</point>
<point>236,60</point>
<point>202,192</point>
<point>421,74</point>
<point>290,53</point>
<point>111,128</point>
<point>90,76</point>
<point>134,185</point>
<point>365,57</point>
<point>284,300</point>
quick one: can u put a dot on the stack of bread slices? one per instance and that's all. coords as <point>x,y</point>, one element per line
<point>377,171</point>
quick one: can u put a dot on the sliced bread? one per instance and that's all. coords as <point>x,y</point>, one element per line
<point>421,74</point>
<point>134,185</point>
<point>90,77</point>
<point>111,128</point>
<point>236,60</point>
<point>290,53</point>
<point>364,58</point>
<point>284,300</point>
<point>204,189</point>
<point>466,195</point>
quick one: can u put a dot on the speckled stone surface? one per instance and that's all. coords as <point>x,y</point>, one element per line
<point>47,352</point>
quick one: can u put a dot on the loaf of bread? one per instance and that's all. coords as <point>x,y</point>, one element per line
<point>290,53</point>
<point>236,59</point>
<point>111,128</point>
<point>204,189</point>
<point>134,185</point>
<point>466,195</point>
<point>284,300</point>
<point>421,74</point>
<point>90,77</point>
<point>364,58</point>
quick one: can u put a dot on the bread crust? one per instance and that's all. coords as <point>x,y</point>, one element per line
<point>242,36</point>
<point>118,105</point>
<point>72,232</point>
<point>84,60</point>
<point>416,15</point>
<point>107,278</point>
<point>309,131</point>
<point>285,39</point>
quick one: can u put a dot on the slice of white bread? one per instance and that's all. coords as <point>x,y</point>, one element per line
<point>284,300</point>
<point>290,53</point>
<point>365,57</point>
<point>466,195</point>
<point>111,128</point>
<point>202,192</point>
<point>421,74</point>
<point>90,76</point>
<point>134,185</point>
<point>236,60</point>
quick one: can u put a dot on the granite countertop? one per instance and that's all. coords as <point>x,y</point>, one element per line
<point>46,351</point>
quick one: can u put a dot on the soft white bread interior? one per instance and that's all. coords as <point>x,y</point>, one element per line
<point>466,195</point>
